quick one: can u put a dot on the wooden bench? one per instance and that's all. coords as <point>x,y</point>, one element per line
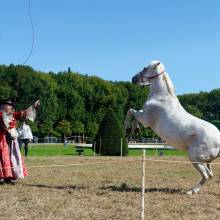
<point>79,150</point>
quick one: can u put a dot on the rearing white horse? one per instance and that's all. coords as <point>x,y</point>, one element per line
<point>163,113</point>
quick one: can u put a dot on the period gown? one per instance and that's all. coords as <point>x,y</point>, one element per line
<point>11,164</point>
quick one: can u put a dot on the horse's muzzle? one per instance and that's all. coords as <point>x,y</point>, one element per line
<point>135,79</point>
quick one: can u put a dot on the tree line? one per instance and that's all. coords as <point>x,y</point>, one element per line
<point>72,103</point>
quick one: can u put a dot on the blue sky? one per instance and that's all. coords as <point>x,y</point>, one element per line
<point>114,39</point>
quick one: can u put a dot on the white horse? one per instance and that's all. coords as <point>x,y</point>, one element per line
<point>164,114</point>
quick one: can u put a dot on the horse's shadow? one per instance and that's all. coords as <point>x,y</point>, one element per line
<point>60,187</point>
<point>114,188</point>
<point>125,188</point>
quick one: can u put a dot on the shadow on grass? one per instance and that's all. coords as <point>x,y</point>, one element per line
<point>122,188</point>
<point>74,187</point>
<point>125,188</point>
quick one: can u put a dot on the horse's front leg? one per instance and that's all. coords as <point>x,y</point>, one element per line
<point>138,116</point>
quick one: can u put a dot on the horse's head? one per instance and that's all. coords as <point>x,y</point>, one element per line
<point>153,70</point>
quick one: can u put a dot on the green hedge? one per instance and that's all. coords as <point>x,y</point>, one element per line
<point>110,134</point>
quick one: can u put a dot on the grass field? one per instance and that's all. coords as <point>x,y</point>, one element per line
<point>108,191</point>
<point>60,149</point>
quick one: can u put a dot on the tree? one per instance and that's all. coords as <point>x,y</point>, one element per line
<point>194,111</point>
<point>33,126</point>
<point>78,127</point>
<point>64,127</point>
<point>214,104</point>
<point>110,134</point>
<point>92,129</point>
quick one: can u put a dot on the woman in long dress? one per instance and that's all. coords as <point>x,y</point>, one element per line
<point>12,166</point>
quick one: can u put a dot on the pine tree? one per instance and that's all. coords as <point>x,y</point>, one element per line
<point>110,134</point>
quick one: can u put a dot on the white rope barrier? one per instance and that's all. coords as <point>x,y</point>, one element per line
<point>81,164</point>
<point>73,164</point>
<point>179,161</point>
<point>109,162</point>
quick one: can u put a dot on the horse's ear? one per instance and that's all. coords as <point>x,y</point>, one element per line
<point>169,84</point>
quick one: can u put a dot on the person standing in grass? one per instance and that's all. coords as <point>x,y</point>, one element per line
<point>12,166</point>
<point>25,136</point>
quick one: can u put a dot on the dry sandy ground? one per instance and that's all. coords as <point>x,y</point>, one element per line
<point>108,191</point>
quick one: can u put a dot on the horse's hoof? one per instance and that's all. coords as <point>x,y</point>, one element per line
<point>189,192</point>
<point>192,191</point>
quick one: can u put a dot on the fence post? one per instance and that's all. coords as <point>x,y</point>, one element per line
<point>121,147</point>
<point>143,184</point>
<point>94,147</point>
<point>100,145</point>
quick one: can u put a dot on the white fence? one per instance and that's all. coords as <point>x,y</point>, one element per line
<point>87,142</point>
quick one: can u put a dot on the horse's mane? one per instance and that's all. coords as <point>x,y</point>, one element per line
<point>169,84</point>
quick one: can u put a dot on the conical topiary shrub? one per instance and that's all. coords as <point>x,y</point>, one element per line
<point>109,137</point>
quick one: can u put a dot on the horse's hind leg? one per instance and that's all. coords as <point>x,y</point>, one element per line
<point>210,173</point>
<point>206,175</point>
<point>196,155</point>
